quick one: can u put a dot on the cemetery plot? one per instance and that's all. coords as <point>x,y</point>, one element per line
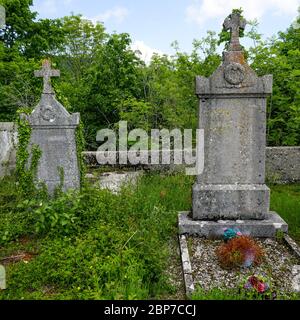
<point>276,267</point>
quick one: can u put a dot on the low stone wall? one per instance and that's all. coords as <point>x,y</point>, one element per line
<point>8,138</point>
<point>90,159</point>
<point>282,164</point>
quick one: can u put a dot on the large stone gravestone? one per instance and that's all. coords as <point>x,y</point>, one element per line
<point>54,131</point>
<point>231,190</point>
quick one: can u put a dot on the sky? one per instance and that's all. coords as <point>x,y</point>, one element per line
<point>154,24</point>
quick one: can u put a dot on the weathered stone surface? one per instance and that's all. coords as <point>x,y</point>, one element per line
<point>296,278</point>
<point>114,181</point>
<point>292,244</point>
<point>2,278</point>
<point>186,266</point>
<point>232,113</point>
<point>53,130</point>
<point>8,142</point>
<point>266,228</point>
<point>234,141</point>
<point>234,23</point>
<point>283,164</point>
<point>230,201</point>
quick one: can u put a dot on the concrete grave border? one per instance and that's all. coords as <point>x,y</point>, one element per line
<point>188,271</point>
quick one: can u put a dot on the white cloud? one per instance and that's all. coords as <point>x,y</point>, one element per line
<point>201,11</point>
<point>47,7</point>
<point>117,13</point>
<point>51,6</point>
<point>143,51</point>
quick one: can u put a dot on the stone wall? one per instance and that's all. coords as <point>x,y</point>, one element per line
<point>8,138</point>
<point>282,164</point>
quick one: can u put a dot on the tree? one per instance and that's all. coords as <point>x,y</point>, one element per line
<point>281,57</point>
<point>115,77</point>
<point>19,19</point>
<point>23,42</point>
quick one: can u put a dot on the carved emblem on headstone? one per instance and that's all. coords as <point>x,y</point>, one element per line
<point>234,73</point>
<point>48,113</point>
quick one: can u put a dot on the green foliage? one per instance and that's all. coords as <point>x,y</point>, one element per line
<point>19,19</point>
<point>281,57</point>
<point>93,244</point>
<point>286,201</point>
<point>59,215</point>
<point>220,294</point>
<point>279,235</point>
<point>59,188</point>
<point>104,80</point>
<point>241,293</point>
<point>18,87</point>
<point>80,145</point>
<point>237,294</point>
<point>15,211</point>
<point>27,160</point>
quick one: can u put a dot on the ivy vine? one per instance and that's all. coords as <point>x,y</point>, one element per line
<point>26,173</point>
<point>80,144</point>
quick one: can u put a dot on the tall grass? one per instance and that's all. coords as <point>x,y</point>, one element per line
<point>93,244</point>
<point>285,200</point>
<point>97,245</point>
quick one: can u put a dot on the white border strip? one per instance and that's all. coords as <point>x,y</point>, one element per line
<point>186,266</point>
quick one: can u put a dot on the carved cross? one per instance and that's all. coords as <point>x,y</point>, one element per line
<point>234,22</point>
<point>47,73</point>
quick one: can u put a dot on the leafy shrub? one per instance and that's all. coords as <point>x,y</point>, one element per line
<point>92,244</point>
<point>238,252</point>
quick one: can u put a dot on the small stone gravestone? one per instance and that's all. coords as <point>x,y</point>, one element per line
<point>231,191</point>
<point>2,278</point>
<point>8,141</point>
<point>54,131</point>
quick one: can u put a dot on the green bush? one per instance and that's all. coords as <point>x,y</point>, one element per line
<point>92,244</point>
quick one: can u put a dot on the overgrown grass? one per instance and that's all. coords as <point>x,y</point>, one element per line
<point>285,200</point>
<point>92,244</point>
<point>97,245</point>
<point>237,294</point>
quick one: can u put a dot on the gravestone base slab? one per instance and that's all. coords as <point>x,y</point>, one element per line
<point>266,228</point>
<point>230,201</point>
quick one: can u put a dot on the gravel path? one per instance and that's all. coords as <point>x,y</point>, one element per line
<point>207,272</point>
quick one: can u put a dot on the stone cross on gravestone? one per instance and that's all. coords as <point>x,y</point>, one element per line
<point>234,22</point>
<point>47,73</point>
